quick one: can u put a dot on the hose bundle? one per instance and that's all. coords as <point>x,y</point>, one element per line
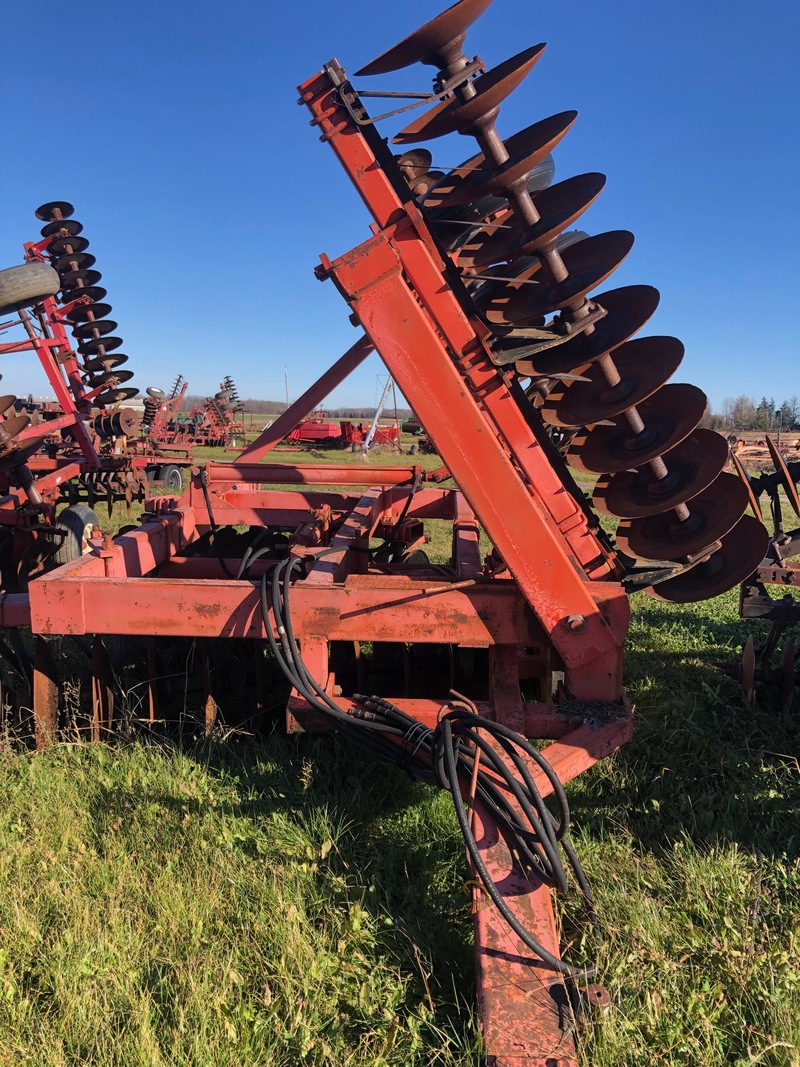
<point>465,754</point>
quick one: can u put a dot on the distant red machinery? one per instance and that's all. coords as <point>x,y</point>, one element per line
<point>479,308</point>
<point>320,429</point>
<point>215,424</point>
<point>85,447</point>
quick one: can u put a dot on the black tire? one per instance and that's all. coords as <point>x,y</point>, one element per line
<point>75,522</point>
<point>171,476</point>
<point>25,285</point>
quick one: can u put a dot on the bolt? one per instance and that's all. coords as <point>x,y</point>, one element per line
<point>576,624</point>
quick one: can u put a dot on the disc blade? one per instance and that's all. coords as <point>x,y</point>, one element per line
<point>432,43</point>
<point>72,278</point>
<point>491,89</point>
<point>61,246</point>
<point>94,328</point>
<point>588,263</point>
<point>113,396</point>
<point>99,344</point>
<point>63,226</point>
<point>669,416</point>
<point>629,308</point>
<point>786,479</point>
<point>6,402</point>
<point>692,466</point>
<point>46,212</point>
<point>747,674</point>
<point>107,362</point>
<point>91,292</point>
<point>741,552</point>
<point>559,206</point>
<point>117,377</point>
<point>643,365</point>
<point>13,425</point>
<point>787,673</point>
<point>87,312</point>
<point>712,514</point>
<point>526,150</point>
<point>73,261</point>
<point>128,421</point>
<point>746,480</point>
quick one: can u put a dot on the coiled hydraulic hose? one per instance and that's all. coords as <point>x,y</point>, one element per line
<point>453,755</point>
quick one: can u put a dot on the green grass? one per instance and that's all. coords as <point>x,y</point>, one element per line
<point>283,901</point>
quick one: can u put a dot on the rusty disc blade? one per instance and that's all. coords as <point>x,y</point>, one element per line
<point>692,466</point>
<point>97,345</point>
<point>669,416</point>
<point>643,366</point>
<point>65,226</point>
<point>118,377</point>
<point>491,89</point>
<point>786,479</point>
<point>103,363</point>
<point>741,552</point>
<point>87,312</point>
<point>128,421</point>
<point>48,210</point>
<point>113,396</point>
<point>95,328</point>
<point>629,308</point>
<point>6,402</point>
<point>434,43</point>
<point>746,480</point>
<point>712,514</point>
<point>73,261</point>
<point>21,454</point>
<point>62,246</point>
<point>588,263</point>
<point>13,425</point>
<point>526,150</point>
<point>75,282</point>
<point>787,673</point>
<point>559,206</point>
<point>747,670</point>
<point>95,293</point>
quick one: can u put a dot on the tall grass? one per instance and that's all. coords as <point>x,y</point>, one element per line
<point>284,901</point>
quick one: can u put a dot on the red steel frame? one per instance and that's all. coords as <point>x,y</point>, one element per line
<point>551,598</point>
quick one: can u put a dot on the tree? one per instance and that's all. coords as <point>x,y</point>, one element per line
<point>743,413</point>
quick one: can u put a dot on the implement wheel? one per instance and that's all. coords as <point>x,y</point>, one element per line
<point>171,476</point>
<point>76,523</point>
<point>25,285</point>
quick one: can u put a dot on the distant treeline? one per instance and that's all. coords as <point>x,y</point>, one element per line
<point>275,407</point>
<point>744,413</point>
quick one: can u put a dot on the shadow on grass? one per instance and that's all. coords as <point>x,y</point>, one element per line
<point>398,856</point>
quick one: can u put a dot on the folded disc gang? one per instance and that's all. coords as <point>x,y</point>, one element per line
<point>491,89</point>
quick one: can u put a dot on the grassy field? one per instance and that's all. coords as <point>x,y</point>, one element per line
<point>283,901</point>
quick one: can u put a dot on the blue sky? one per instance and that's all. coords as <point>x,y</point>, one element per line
<point>174,130</point>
